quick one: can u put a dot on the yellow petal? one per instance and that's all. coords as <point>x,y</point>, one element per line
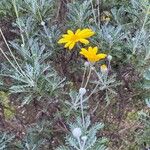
<point>67,44</point>
<point>64,35</point>
<point>84,41</point>
<point>84,52</point>
<point>71,45</point>
<point>90,50</point>
<point>62,40</point>
<point>95,49</point>
<point>85,33</point>
<point>70,32</point>
<point>102,56</point>
<point>77,31</point>
<point>93,60</point>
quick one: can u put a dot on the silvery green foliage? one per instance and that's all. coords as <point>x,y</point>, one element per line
<point>36,136</point>
<point>73,99</point>
<point>51,35</point>
<point>140,5</point>
<point>36,77</point>
<point>87,139</point>
<point>141,38</point>
<point>79,14</point>
<point>33,50</point>
<point>112,34</point>
<point>6,8</point>
<point>104,83</point>
<point>26,22</point>
<point>107,84</point>
<point>109,35</point>
<point>128,31</point>
<point>38,8</point>
<point>5,139</point>
<point>147,79</point>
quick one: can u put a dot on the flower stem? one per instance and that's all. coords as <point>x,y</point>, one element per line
<point>79,143</point>
<point>83,78</point>
<point>84,100</point>
<point>88,77</point>
<point>82,111</point>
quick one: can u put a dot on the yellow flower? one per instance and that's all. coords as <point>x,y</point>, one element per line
<point>72,38</point>
<point>91,54</point>
<point>104,68</point>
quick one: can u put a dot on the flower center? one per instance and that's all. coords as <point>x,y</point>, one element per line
<point>75,38</point>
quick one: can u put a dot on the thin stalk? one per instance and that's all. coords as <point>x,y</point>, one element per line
<point>39,13</point>
<point>20,69</point>
<point>83,78</point>
<point>94,90</point>
<point>146,16</point>
<point>10,61</point>
<point>83,144</point>
<point>45,29</point>
<point>82,111</point>
<point>88,77</point>
<point>17,15</point>
<point>11,52</point>
<point>98,3</point>
<point>84,100</point>
<point>93,12</point>
<point>79,143</point>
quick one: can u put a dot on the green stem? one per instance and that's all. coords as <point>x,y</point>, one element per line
<point>83,78</point>
<point>88,77</point>
<point>10,61</point>
<point>17,15</point>
<point>82,111</point>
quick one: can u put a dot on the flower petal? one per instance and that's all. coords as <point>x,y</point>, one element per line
<point>84,52</point>
<point>84,41</point>
<point>64,35</point>
<point>85,33</point>
<point>77,31</point>
<point>62,40</point>
<point>90,50</point>
<point>95,49</point>
<point>71,45</point>
<point>67,44</point>
<point>102,56</point>
<point>70,32</point>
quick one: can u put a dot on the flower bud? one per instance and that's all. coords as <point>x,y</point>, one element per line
<point>84,138</point>
<point>77,132</point>
<point>107,19</point>
<point>104,68</point>
<point>43,23</point>
<point>82,91</point>
<point>109,57</point>
<point>86,64</point>
<point>22,45</point>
